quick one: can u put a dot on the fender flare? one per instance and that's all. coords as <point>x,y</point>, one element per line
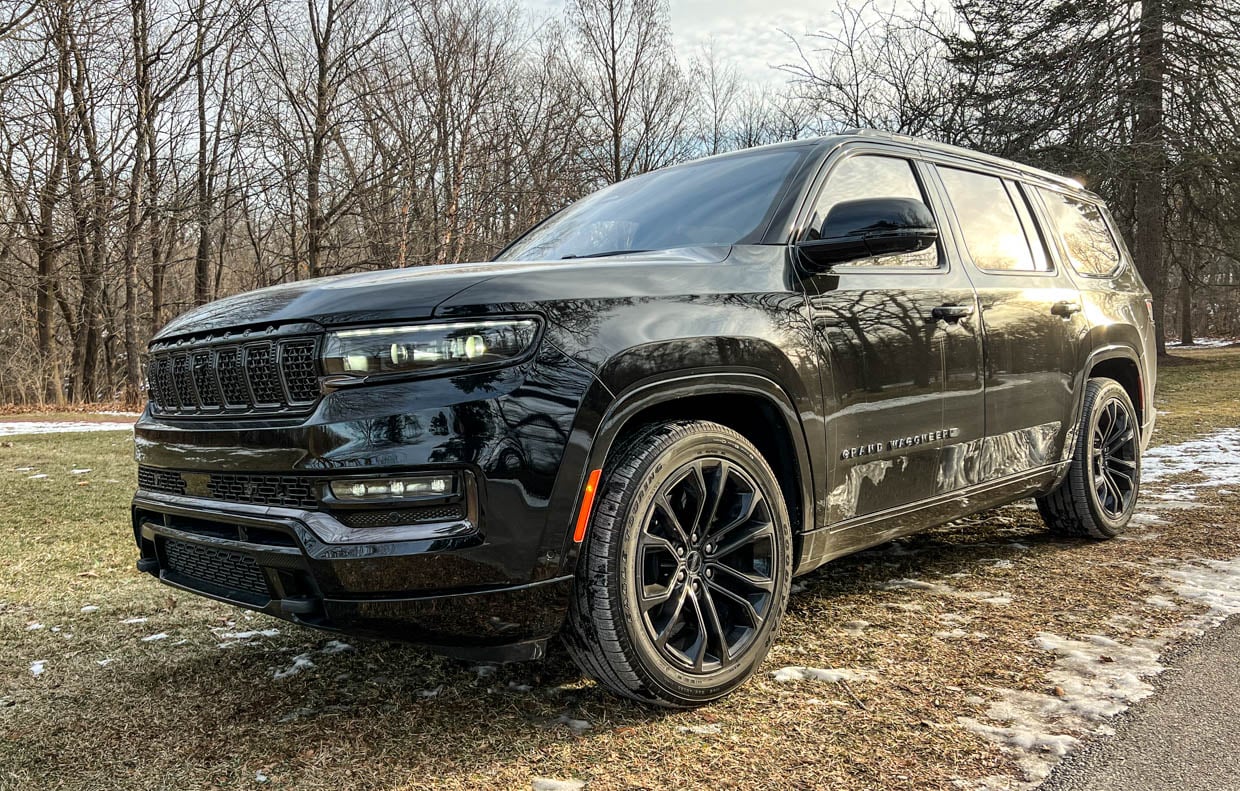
<point>646,394</point>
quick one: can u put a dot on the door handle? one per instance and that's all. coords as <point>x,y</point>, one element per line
<point>1065,308</point>
<point>951,313</point>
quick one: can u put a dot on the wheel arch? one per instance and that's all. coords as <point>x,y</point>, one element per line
<point>751,404</point>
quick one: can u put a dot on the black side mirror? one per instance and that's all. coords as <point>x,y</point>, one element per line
<point>870,227</point>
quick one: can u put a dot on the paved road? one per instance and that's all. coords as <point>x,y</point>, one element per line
<point>1186,737</point>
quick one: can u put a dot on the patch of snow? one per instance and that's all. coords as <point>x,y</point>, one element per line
<point>1002,564</point>
<point>513,686</point>
<point>134,620</point>
<point>999,598</point>
<point>260,776</point>
<point>37,667</point>
<point>15,428</point>
<point>797,587</point>
<point>855,628</point>
<point>37,476</point>
<point>1215,456</point>
<point>427,694</point>
<point>104,662</point>
<point>700,730</point>
<point>300,662</point>
<point>33,626</point>
<point>89,608</point>
<point>334,647</point>
<point>1204,343</point>
<point>575,725</point>
<point>484,671</point>
<point>1161,602</point>
<point>549,784</point>
<point>152,638</point>
<point>828,675</point>
<point>242,636</point>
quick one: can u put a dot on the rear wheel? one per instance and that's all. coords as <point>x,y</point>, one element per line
<point>1099,494</point>
<point>686,569</point>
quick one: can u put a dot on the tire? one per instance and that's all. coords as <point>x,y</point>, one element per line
<point>1099,494</point>
<point>712,607</point>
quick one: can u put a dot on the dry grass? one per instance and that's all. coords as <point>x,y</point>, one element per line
<point>182,712</point>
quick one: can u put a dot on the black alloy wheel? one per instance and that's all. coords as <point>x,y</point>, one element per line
<point>1098,495</point>
<point>704,565</point>
<point>1115,450</point>
<point>686,566</point>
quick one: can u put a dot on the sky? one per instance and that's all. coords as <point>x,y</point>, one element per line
<point>745,32</point>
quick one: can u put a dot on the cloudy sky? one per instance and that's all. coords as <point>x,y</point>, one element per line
<point>746,32</point>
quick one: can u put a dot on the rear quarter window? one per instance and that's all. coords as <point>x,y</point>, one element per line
<point>1084,233</point>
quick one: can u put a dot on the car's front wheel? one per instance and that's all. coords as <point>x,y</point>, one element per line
<point>686,569</point>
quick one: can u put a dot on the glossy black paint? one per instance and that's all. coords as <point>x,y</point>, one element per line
<point>887,398</point>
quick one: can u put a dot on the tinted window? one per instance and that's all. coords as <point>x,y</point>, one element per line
<point>870,176</point>
<point>989,222</point>
<point>714,202</point>
<point>1090,246</point>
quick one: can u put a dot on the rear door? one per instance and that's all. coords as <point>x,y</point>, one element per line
<point>902,349</point>
<point>1031,320</point>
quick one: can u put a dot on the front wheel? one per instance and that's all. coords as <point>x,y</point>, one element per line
<point>1099,494</point>
<point>686,568</point>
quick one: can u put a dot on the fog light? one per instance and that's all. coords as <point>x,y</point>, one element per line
<point>405,488</point>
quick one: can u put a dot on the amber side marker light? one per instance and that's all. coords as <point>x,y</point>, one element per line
<point>587,503</point>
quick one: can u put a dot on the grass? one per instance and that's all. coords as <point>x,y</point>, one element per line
<point>182,712</point>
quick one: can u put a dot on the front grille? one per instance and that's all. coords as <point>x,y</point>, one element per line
<point>169,481</point>
<point>287,490</point>
<point>402,516</point>
<point>232,571</point>
<point>252,374</point>
<point>290,491</point>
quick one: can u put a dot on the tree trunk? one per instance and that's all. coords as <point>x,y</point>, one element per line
<point>1149,142</point>
<point>1186,312</point>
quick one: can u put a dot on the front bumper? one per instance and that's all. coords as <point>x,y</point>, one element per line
<point>270,561</point>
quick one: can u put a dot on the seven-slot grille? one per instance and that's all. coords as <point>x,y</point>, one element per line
<point>234,375</point>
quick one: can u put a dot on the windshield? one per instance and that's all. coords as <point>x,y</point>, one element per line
<point>721,201</point>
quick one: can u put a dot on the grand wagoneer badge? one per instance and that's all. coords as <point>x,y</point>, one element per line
<point>899,443</point>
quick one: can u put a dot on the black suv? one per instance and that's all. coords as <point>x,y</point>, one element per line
<point>647,414</point>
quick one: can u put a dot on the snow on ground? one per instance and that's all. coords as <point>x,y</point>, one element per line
<point>12,428</point>
<point>1216,456</point>
<point>1205,343</point>
<point>549,784</point>
<point>829,675</point>
<point>300,662</point>
<point>1095,677</point>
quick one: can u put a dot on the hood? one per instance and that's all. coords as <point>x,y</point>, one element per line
<point>398,294</point>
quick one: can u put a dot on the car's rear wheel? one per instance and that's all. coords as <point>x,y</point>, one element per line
<point>1099,494</point>
<point>686,569</point>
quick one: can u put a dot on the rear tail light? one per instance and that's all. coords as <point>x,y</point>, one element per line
<point>1149,308</point>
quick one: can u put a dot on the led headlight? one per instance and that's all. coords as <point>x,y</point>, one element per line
<point>424,347</point>
<point>412,487</point>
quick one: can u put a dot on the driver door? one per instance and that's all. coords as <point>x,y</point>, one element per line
<point>903,354</point>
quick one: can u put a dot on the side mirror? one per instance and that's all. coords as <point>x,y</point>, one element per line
<point>870,227</point>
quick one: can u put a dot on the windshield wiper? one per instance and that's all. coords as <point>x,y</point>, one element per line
<point>603,254</point>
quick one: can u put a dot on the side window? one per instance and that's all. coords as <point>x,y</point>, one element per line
<point>873,176</point>
<point>999,235</point>
<point>1084,232</point>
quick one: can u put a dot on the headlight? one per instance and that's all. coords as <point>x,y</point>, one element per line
<point>425,347</point>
